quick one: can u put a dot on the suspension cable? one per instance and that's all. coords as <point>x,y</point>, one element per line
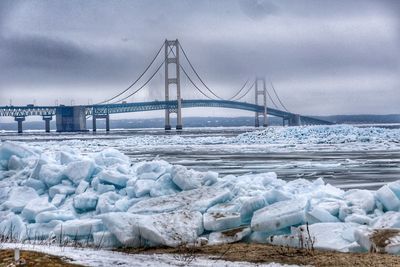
<point>191,81</point>
<point>272,100</point>
<point>278,97</point>
<point>248,90</point>
<point>235,95</point>
<point>151,77</point>
<point>198,76</point>
<point>132,84</point>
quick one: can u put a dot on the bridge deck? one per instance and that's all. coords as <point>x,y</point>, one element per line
<point>23,111</point>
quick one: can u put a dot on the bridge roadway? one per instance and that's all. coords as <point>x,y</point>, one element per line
<point>104,110</point>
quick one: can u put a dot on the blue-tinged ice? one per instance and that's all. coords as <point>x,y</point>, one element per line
<point>61,189</point>
<point>388,198</point>
<point>113,177</point>
<point>229,236</point>
<point>18,198</point>
<point>164,186</point>
<point>79,170</point>
<point>279,215</point>
<point>218,221</point>
<point>36,206</point>
<point>59,215</point>
<point>85,202</point>
<point>12,228</point>
<point>79,228</point>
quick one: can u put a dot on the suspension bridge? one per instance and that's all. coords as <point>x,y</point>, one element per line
<point>73,118</point>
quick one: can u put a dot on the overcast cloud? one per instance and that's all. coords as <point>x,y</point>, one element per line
<point>324,57</point>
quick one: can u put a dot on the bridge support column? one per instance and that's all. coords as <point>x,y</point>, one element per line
<point>19,120</point>
<point>47,120</point>
<point>94,123</point>
<point>107,123</point>
<point>71,119</point>
<point>101,116</point>
<point>295,120</point>
<point>174,59</point>
<point>262,92</point>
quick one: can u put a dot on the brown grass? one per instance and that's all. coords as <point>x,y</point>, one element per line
<point>381,237</point>
<point>260,253</point>
<point>35,259</point>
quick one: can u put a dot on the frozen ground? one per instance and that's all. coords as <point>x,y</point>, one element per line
<point>100,258</point>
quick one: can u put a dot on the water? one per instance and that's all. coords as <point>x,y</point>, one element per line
<point>342,168</point>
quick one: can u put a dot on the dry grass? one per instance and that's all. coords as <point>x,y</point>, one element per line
<point>32,258</point>
<point>260,253</point>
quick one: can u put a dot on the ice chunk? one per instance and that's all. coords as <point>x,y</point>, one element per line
<point>79,170</point>
<point>83,185</point>
<point>51,174</point>
<point>15,163</point>
<point>189,179</point>
<point>275,195</point>
<point>172,229</point>
<point>36,206</point>
<point>317,214</point>
<point>197,200</point>
<point>113,177</point>
<point>249,206</point>
<point>164,186</point>
<point>105,239</point>
<point>395,187</point>
<point>85,202</point>
<point>40,231</point>
<point>38,185</point>
<point>143,187</point>
<point>218,221</point>
<point>59,215</point>
<point>66,157</point>
<point>389,219</point>
<point>229,236</point>
<point>80,228</point>
<point>106,202</point>
<point>327,236</point>
<point>364,199</point>
<point>379,240</point>
<point>19,196</point>
<point>388,198</point>
<point>124,226</point>
<point>61,189</point>
<point>104,188</point>
<point>358,218</point>
<point>125,203</point>
<point>263,237</point>
<point>13,228</point>
<point>279,215</point>
<point>58,199</point>
<point>110,157</point>
<point>153,169</point>
<point>8,149</point>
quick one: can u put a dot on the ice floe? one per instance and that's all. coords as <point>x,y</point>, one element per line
<point>105,199</point>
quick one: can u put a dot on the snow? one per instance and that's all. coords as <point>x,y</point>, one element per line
<point>106,258</point>
<point>103,197</point>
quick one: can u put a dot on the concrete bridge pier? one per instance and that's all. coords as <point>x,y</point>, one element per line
<point>104,116</point>
<point>47,119</point>
<point>19,119</point>
<point>295,120</point>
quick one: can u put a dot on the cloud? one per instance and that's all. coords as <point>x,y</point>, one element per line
<point>91,49</point>
<point>257,9</point>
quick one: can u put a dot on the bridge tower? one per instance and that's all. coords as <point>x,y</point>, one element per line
<point>260,82</point>
<point>173,45</point>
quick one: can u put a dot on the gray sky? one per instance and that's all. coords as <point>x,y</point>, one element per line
<point>324,57</point>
